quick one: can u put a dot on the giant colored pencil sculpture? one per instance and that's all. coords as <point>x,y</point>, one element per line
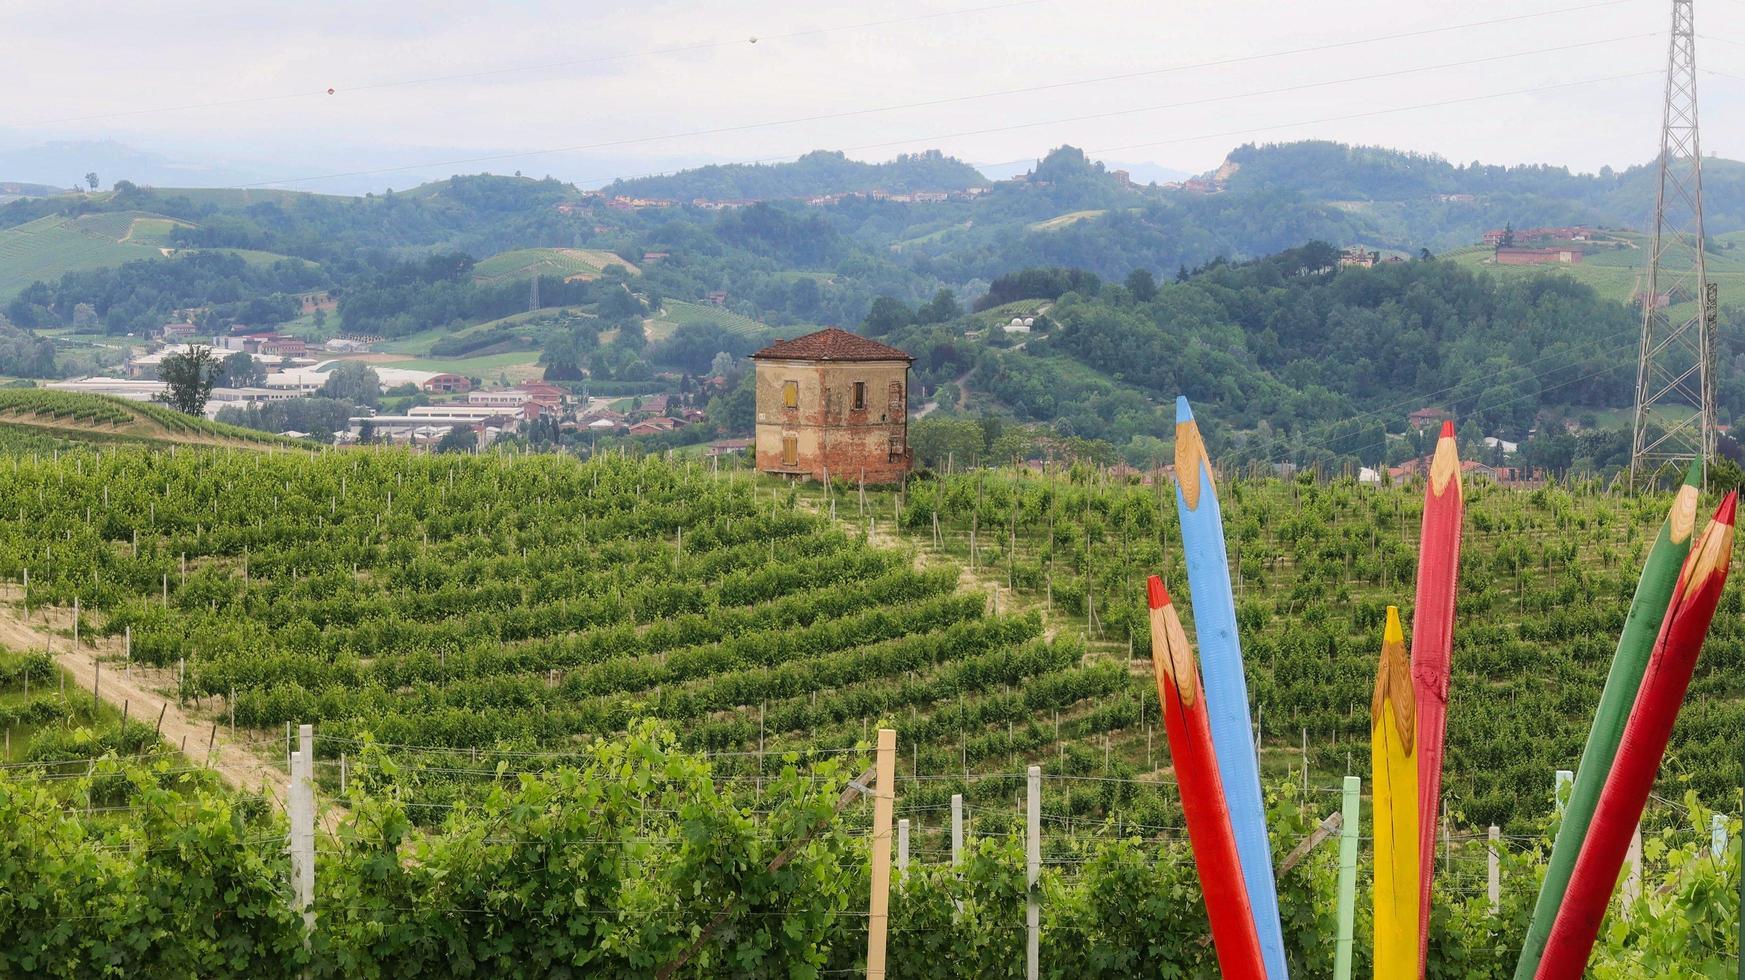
<point>1214,606</point>
<point>1394,762</point>
<point>1432,646</point>
<point>1196,773</point>
<point>1641,627</point>
<point>1694,598</point>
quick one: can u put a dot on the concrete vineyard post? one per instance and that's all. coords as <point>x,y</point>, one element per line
<point>956,828</point>
<point>903,846</point>
<point>1347,918</point>
<point>884,801</point>
<point>1033,875</point>
<point>1493,870</point>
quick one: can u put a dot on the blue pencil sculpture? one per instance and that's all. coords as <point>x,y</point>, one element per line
<point>1214,610</point>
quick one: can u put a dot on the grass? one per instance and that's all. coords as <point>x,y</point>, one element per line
<point>1615,273</point>
<point>525,263</point>
<point>50,247</point>
<point>1063,220</point>
<point>674,312</point>
<point>518,365</point>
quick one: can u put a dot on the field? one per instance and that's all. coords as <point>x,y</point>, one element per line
<point>674,312</point>
<point>485,629</point>
<point>50,247</point>
<point>1617,273</point>
<point>524,263</point>
<point>1063,220</point>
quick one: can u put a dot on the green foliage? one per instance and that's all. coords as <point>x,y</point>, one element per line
<point>189,377</point>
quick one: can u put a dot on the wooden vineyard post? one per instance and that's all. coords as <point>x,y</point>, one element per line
<point>1033,875</point>
<point>884,801</point>
<point>1347,878</point>
<point>903,846</point>
<point>1493,881</point>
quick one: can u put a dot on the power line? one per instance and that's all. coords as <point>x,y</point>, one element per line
<point>545,66</point>
<point>743,127</point>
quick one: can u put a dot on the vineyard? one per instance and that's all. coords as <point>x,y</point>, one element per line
<point>77,416</point>
<point>615,860</point>
<point>470,637</point>
<point>1545,578</point>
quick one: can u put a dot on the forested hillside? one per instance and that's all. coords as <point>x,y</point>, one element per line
<point>817,173</point>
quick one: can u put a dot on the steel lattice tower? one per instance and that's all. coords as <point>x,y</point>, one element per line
<point>1675,385</point>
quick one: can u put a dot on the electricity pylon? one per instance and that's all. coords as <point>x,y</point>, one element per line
<point>1675,377</point>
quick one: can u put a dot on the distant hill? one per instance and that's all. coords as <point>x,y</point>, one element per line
<point>12,190</point>
<point>1411,200</point>
<point>52,246</point>
<point>817,173</point>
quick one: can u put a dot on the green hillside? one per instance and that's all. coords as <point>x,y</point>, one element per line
<point>50,247</point>
<point>53,246</point>
<point>525,263</point>
<point>28,415</point>
<point>675,312</point>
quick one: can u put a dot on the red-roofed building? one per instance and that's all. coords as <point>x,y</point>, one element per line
<point>833,403</point>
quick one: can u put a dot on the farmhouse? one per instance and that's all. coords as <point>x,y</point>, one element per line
<point>833,403</point>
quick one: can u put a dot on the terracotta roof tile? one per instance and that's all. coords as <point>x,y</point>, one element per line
<point>831,344</point>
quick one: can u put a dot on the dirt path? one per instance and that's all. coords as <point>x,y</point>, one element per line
<point>99,663</point>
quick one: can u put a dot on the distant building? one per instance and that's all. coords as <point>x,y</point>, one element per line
<point>445,382</point>
<point>1510,255</point>
<point>1020,324</point>
<point>835,403</point>
<point>1359,257</point>
<point>1426,417</point>
<point>717,297</point>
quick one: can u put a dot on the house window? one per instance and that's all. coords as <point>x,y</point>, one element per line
<point>860,396</point>
<point>790,450</point>
<point>790,394</point>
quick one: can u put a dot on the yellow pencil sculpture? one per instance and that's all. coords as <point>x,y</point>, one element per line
<point>1394,757</point>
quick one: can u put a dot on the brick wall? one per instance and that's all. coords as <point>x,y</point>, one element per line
<point>824,431</point>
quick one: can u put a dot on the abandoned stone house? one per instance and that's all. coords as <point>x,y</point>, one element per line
<point>833,403</point>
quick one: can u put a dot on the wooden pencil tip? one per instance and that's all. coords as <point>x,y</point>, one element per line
<point>1393,633</point>
<point>1155,593</point>
<point>1447,429</point>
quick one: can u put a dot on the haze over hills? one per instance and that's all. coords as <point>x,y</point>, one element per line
<point>664,273</point>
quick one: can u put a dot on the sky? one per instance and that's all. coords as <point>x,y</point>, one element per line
<point>236,92</point>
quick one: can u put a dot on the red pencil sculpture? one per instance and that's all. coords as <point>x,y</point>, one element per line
<point>1432,649</point>
<point>1196,774</point>
<point>1644,744</point>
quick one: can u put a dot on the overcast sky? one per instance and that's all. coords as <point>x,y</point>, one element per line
<point>603,83</point>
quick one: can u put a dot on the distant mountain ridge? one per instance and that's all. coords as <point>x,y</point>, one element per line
<point>821,172</point>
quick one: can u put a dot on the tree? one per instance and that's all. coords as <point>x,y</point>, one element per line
<point>940,309</point>
<point>241,370</point>
<point>1142,284</point>
<point>458,440</point>
<point>189,378</point>
<point>353,381</point>
<point>91,178</point>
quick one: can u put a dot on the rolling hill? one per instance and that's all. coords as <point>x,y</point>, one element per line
<point>566,263</point>
<point>52,246</point>
<point>34,414</point>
